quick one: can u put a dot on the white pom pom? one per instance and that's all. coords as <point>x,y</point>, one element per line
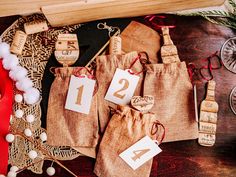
<point>10,62</point>
<point>14,168</point>
<point>31,96</point>
<point>10,138</point>
<point>28,132</point>
<point>24,84</point>
<point>11,174</point>
<point>19,113</point>
<point>4,49</point>
<point>43,136</point>
<point>18,98</point>
<point>32,154</point>
<point>18,73</point>
<point>30,118</point>
<point>2,175</point>
<point>51,171</point>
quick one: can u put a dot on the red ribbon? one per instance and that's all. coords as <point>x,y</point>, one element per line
<point>193,70</point>
<point>6,91</point>
<point>157,22</point>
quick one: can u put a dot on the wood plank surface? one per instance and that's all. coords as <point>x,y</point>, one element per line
<point>84,11</point>
<point>195,39</point>
<point>23,7</point>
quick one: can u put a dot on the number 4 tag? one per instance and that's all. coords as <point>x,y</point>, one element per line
<point>140,152</point>
<point>80,94</point>
<point>122,87</point>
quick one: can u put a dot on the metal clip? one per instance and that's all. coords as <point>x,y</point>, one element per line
<point>110,29</point>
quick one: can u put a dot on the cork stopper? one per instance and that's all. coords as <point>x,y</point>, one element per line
<point>18,42</point>
<point>169,51</point>
<point>115,45</point>
<point>211,90</point>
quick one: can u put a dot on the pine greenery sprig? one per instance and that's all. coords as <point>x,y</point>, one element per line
<point>219,17</point>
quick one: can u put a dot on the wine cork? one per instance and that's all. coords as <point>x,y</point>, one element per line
<point>206,139</point>
<point>210,117</point>
<point>115,45</point>
<point>206,127</point>
<point>66,57</point>
<point>18,42</point>
<point>35,27</point>
<point>67,42</point>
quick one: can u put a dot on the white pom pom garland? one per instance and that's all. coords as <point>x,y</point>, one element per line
<point>10,62</point>
<point>14,168</point>
<point>10,138</point>
<point>28,132</point>
<point>32,154</point>
<point>18,74</point>
<point>51,171</point>
<point>43,136</point>
<point>2,175</point>
<point>31,96</point>
<point>4,50</point>
<point>24,84</point>
<point>18,98</point>
<point>11,174</point>
<point>19,113</point>
<point>30,118</point>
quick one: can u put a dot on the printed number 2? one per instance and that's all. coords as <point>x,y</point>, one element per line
<point>125,86</point>
<point>139,153</point>
<point>79,96</point>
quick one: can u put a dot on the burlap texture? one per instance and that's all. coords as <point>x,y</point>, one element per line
<point>139,37</point>
<point>126,127</point>
<point>65,127</point>
<point>174,104</point>
<point>106,67</point>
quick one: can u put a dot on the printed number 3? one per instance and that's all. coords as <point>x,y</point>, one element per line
<point>139,153</point>
<point>125,83</point>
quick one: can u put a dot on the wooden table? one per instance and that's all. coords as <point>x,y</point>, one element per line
<point>195,39</point>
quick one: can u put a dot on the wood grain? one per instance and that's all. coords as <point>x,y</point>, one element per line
<point>79,12</point>
<point>23,7</point>
<point>195,39</point>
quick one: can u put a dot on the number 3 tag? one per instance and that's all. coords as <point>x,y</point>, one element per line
<point>80,94</point>
<point>122,87</point>
<point>140,152</point>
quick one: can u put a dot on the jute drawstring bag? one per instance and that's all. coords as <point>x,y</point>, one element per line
<point>171,87</point>
<point>126,127</point>
<point>65,127</point>
<point>106,67</point>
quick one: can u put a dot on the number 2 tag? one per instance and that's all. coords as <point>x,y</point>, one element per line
<point>140,152</point>
<point>122,87</point>
<point>80,94</point>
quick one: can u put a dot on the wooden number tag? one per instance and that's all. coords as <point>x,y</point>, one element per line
<point>122,87</point>
<point>80,93</point>
<point>143,104</point>
<point>139,153</point>
<point>208,117</point>
<point>67,49</point>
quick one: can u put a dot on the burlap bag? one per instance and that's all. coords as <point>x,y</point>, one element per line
<point>139,37</point>
<point>173,92</point>
<point>106,67</point>
<point>65,127</point>
<point>126,127</point>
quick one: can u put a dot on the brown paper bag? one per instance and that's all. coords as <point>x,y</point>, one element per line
<point>173,92</point>
<point>106,67</point>
<point>139,37</point>
<point>65,127</point>
<point>126,127</point>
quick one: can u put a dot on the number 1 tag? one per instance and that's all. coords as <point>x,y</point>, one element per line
<point>122,87</point>
<point>80,94</point>
<point>140,152</point>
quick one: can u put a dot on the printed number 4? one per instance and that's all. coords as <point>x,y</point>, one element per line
<point>139,153</point>
<point>125,83</point>
<point>80,93</point>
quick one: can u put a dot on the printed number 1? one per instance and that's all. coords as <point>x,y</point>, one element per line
<point>80,93</point>
<point>139,153</point>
